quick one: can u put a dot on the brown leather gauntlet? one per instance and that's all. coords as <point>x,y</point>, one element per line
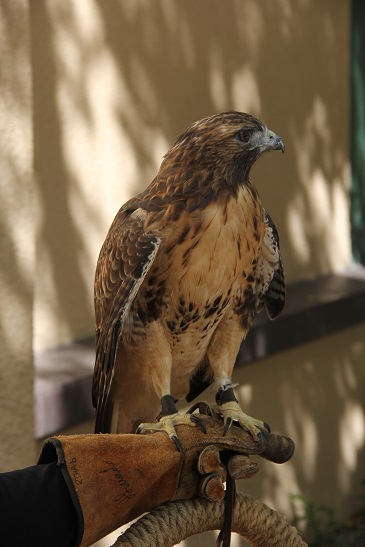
<point>113,479</point>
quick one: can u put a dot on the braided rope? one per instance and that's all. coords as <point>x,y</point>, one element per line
<point>172,522</point>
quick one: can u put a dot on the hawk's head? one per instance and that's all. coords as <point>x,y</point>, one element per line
<point>221,149</point>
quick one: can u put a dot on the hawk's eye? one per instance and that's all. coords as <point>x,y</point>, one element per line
<point>244,136</point>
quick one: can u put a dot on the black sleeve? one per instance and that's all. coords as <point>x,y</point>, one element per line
<point>36,508</point>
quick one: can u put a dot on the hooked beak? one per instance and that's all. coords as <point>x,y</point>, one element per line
<point>272,141</point>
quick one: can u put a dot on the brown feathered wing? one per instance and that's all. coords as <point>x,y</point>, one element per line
<point>125,258</point>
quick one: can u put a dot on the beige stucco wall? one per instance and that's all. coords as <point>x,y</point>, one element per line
<point>116,82</point>
<point>17,239</point>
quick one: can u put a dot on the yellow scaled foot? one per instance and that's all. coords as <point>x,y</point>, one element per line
<point>168,424</point>
<point>232,412</point>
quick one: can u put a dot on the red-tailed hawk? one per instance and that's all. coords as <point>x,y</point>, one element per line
<point>184,268</point>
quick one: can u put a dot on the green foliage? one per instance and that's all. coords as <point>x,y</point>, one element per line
<point>323,529</point>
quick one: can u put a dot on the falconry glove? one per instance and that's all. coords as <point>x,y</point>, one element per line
<point>114,478</point>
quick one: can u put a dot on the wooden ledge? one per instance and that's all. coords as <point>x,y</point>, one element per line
<point>313,309</point>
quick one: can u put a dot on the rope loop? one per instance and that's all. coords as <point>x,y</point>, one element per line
<point>174,521</point>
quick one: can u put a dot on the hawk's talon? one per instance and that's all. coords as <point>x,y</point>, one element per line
<point>177,442</point>
<point>266,426</point>
<point>232,412</point>
<point>167,425</point>
<point>227,426</point>
<point>196,420</point>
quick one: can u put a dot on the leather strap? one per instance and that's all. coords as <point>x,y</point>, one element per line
<point>224,537</point>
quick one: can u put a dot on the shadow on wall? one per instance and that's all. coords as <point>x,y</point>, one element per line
<point>60,282</point>
<point>16,230</point>
<point>115,83</point>
<point>16,240</point>
<point>16,255</point>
